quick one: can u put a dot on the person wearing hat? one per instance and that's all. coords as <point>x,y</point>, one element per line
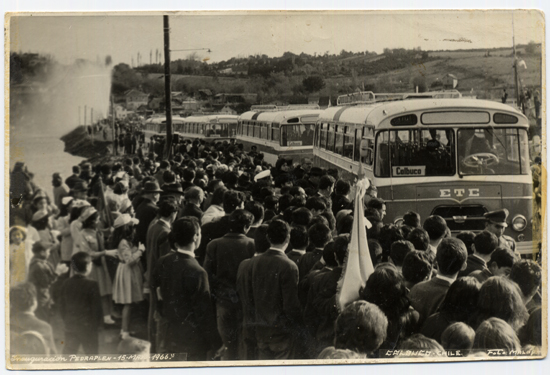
<point>128,283</point>
<point>263,175</point>
<point>147,209</point>
<point>41,223</point>
<point>91,241</point>
<point>496,224</point>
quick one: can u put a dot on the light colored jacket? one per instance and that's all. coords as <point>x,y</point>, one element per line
<point>213,213</point>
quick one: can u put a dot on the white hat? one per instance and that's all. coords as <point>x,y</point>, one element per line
<point>262,174</point>
<point>124,219</point>
<point>80,203</point>
<point>65,200</point>
<point>89,211</point>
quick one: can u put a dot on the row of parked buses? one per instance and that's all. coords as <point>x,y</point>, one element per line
<point>435,153</point>
<point>208,127</point>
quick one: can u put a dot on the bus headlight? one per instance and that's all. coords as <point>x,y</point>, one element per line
<point>519,223</point>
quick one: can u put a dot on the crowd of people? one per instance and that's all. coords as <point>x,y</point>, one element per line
<point>240,260</point>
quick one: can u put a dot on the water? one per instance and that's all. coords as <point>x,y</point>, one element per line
<point>46,106</point>
<point>43,156</point>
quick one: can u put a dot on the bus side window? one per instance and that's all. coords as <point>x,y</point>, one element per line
<point>323,138</point>
<point>382,154</point>
<point>330,138</point>
<point>357,144</point>
<point>348,142</point>
<point>339,140</point>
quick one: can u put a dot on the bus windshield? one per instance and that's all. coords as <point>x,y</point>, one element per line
<point>216,130</point>
<point>297,135</point>
<point>493,151</point>
<point>415,153</point>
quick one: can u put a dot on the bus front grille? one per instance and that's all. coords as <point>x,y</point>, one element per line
<point>462,218</point>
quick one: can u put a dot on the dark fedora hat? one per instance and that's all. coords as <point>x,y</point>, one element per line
<point>151,187</point>
<point>174,188</point>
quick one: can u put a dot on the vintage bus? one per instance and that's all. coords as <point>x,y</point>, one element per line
<point>457,158</point>
<point>280,132</point>
<point>210,127</point>
<point>156,125</point>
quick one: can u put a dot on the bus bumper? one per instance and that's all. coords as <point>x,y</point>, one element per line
<point>526,248</point>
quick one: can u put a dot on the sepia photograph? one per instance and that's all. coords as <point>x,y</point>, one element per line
<point>274,188</point>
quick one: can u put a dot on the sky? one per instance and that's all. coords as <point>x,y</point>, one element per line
<point>229,34</point>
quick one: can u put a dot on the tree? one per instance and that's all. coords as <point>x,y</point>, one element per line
<point>313,83</point>
<point>420,82</point>
<point>531,48</point>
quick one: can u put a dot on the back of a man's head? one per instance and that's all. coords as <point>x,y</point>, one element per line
<point>416,267</point>
<point>240,221</point>
<point>188,175</point>
<point>319,235</point>
<point>419,238</point>
<point>451,256</point>
<point>399,250</point>
<point>326,182</point>
<point>278,232</point>
<point>184,231</point>
<point>485,242</point>
<point>194,193</point>
<point>299,237</point>
<point>256,209</point>
<point>528,275</point>
<point>76,169</point>
<point>22,297</point>
<point>503,257</point>
<point>167,207</point>
<point>261,243</point>
<point>316,203</point>
<point>436,227</point>
<point>232,200</point>
<point>361,327</point>
<point>412,219</point>
<point>80,261</point>
<point>468,238</point>
<point>301,216</point>
<point>341,248</point>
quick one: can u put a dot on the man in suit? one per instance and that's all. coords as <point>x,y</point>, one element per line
<point>194,196</point>
<point>484,245</point>
<point>426,297</point>
<point>147,209</point>
<point>80,307</point>
<point>223,257</point>
<point>232,200</point>
<point>249,347</point>
<point>275,293</point>
<point>157,236</point>
<point>184,295</point>
<point>23,303</point>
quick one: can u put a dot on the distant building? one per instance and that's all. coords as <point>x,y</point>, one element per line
<point>227,110</point>
<point>203,94</point>
<point>135,98</point>
<point>121,112</point>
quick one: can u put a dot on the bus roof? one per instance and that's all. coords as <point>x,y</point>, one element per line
<point>375,113</point>
<point>279,116</point>
<point>162,120</point>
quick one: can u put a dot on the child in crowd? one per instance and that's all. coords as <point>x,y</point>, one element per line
<point>128,283</point>
<point>42,275</point>
<point>20,255</point>
<point>80,307</point>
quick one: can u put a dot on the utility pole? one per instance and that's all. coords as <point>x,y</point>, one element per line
<point>85,110</point>
<point>113,125</point>
<point>92,123</point>
<point>516,82</point>
<point>167,90</point>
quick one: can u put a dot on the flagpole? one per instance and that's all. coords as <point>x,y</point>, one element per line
<point>516,83</point>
